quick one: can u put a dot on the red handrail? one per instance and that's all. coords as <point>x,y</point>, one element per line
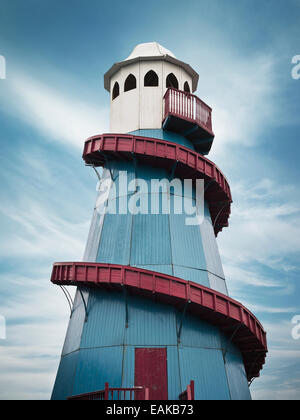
<point>135,393</point>
<point>220,310</point>
<point>189,107</point>
<point>162,153</point>
<point>189,393</point>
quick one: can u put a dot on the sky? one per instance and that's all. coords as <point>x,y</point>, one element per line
<point>53,98</point>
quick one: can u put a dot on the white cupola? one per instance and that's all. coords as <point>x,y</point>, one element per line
<point>138,84</point>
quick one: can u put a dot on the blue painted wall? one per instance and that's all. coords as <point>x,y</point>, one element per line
<point>106,351</point>
<point>102,349</point>
<point>158,242</point>
<point>165,135</point>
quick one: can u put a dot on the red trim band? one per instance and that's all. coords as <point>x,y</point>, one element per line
<point>189,164</point>
<point>220,310</point>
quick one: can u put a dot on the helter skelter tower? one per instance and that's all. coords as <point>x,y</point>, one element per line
<point>151,311</point>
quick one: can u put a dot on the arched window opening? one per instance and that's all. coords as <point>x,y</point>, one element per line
<point>151,79</point>
<point>130,83</point>
<point>116,91</point>
<point>186,87</point>
<point>171,81</point>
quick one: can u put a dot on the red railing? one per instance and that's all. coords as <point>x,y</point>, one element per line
<point>165,153</point>
<point>189,107</point>
<point>220,310</point>
<point>135,393</point>
<point>189,393</point>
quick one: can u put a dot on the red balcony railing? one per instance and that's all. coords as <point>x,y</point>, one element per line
<point>188,107</point>
<point>189,393</point>
<point>135,393</point>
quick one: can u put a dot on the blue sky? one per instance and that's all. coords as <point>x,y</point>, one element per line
<point>53,98</point>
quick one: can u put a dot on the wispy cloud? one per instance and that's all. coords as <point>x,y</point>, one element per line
<point>60,116</point>
<point>39,233</point>
<point>36,326</point>
<point>244,276</point>
<point>264,231</point>
<point>241,89</point>
<point>280,377</point>
<point>270,309</point>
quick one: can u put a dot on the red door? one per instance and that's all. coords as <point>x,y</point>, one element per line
<point>151,371</point>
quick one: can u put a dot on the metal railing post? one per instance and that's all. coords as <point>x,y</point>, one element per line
<point>106,391</point>
<point>193,389</point>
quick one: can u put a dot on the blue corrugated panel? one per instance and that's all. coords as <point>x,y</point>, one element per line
<point>174,381</point>
<point>148,173</point>
<point>191,274</point>
<point>164,135</point>
<point>128,367</point>
<point>150,323</point>
<point>97,366</point>
<point>186,241</point>
<point>115,239</point>
<point>238,384</point>
<point>107,349</point>
<point>228,346</point>
<point>106,319</point>
<point>212,256</point>
<point>197,333</point>
<point>150,240</point>
<point>165,269</point>
<point>65,377</point>
<point>217,283</point>
<point>117,170</point>
<point>92,245</point>
<point>206,368</point>
<point>73,337</point>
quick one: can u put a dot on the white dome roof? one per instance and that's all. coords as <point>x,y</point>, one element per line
<point>149,49</point>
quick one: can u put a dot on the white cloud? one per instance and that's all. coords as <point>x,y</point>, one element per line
<point>280,377</point>
<point>56,115</point>
<point>269,309</point>
<point>249,277</point>
<point>241,90</point>
<point>280,335</point>
<point>36,327</point>
<point>262,230</point>
<point>271,394</point>
<point>38,232</point>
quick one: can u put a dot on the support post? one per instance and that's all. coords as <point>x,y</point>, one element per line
<point>106,391</point>
<point>192,390</point>
<point>126,306</point>
<point>146,394</point>
<point>181,322</point>
<point>173,170</point>
<point>230,340</point>
<point>84,303</point>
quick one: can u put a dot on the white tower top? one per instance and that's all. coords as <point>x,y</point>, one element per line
<point>149,49</point>
<point>137,86</point>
